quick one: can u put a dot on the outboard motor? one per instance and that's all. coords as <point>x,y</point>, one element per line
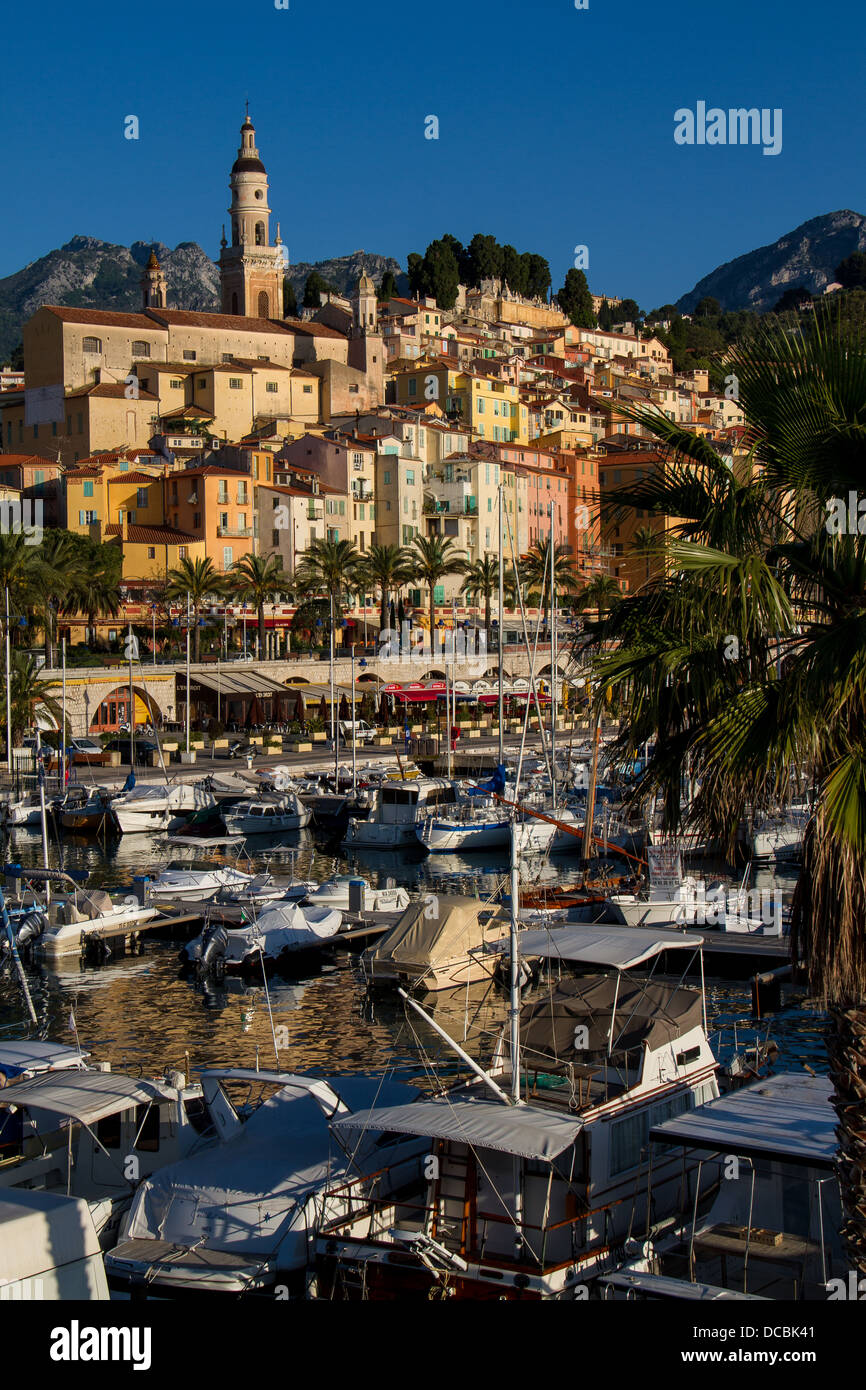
<point>214,942</point>
<point>30,929</point>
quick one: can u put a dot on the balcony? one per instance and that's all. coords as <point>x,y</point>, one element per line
<point>234,532</point>
<point>362,493</point>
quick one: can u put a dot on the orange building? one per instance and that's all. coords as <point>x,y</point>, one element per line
<point>216,505</point>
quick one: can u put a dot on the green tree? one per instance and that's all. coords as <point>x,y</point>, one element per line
<point>707,308</point>
<point>94,591</point>
<point>515,270</point>
<point>482,582</point>
<point>31,697</point>
<point>605,316</point>
<point>575,300</point>
<point>535,574</point>
<point>746,662</point>
<point>484,259</point>
<point>388,287</point>
<point>386,568</point>
<point>434,557</point>
<point>314,287</point>
<point>628,311</point>
<point>258,579</point>
<point>537,277</point>
<point>329,567</point>
<point>198,580</point>
<point>851,273</point>
<point>290,299</point>
<point>599,595</point>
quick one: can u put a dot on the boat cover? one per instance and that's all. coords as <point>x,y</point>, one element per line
<point>622,948</point>
<point>26,1055</point>
<point>522,1130</point>
<point>241,1195</point>
<point>788,1117</point>
<point>646,1012</point>
<point>86,1096</point>
<point>432,931</point>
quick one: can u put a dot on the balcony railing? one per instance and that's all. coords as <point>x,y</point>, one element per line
<point>234,532</point>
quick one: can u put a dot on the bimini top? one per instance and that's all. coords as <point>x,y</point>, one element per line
<point>22,1056</point>
<point>521,1130</point>
<point>787,1117</point>
<point>618,1012</point>
<point>622,948</point>
<point>85,1096</point>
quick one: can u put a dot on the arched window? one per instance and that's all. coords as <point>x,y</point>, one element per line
<point>92,345</point>
<point>260,234</point>
<point>264,305</point>
<point>234,302</point>
<point>142,349</point>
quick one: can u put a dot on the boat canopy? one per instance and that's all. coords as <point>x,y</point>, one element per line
<point>619,1014</point>
<point>433,929</point>
<point>85,1096</point>
<point>521,1130</point>
<point>621,948</point>
<point>24,1055</point>
<point>787,1117</point>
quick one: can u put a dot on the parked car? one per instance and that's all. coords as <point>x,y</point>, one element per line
<point>85,750</point>
<point>358,731</point>
<point>143,749</point>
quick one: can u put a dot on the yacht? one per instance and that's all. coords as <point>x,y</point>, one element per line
<point>67,924</point>
<point>182,881</point>
<point>669,900</point>
<point>26,811</point>
<point>336,892</point>
<point>779,836</point>
<point>771,1230</point>
<point>398,810</point>
<point>540,1173</point>
<point>437,944</point>
<point>153,807</point>
<point>267,815</point>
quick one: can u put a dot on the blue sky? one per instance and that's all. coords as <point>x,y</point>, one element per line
<point>556,126</point>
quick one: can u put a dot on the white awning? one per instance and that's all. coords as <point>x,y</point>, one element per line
<point>522,1130</point>
<point>620,947</point>
<point>787,1117</point>
<point>85,1096</point>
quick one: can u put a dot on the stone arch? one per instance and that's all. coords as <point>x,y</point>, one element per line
<point>260,234</point>
<point>112,710</point>
<point>368,678</point>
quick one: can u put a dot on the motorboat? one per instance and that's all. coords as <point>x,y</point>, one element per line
<point>86,810</point>
<point>467,828</point>
<point>69,922</point>
<point>241,1216</point>
<point>23,1058</point>
<point>153,807</point>
<point>94,1135</point>
<point>267,815</point>
<point>25,812</point>
<point>533,1200</point>
<point>437,943</point>
<point>336,893</point>
<point>772,1228</point>
<point>398,810</point>
<point>184,882</point>
<point>669,900</point>
<point>49,1248</point>
<point>280,931</point>
<point>778,836</point>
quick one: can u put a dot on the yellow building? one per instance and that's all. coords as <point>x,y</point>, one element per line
<point>488,406</point>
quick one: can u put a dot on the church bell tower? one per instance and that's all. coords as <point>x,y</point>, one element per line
<point>251,269</point>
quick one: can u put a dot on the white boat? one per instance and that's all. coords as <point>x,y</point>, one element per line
<point>670,900</point>
<point>67,924</point>
<point>23,1058</point>
<point>398,811</point>
<point>466,829</point>
<point>26,811</point>
<point>280,930</point>
<point>49,1248</point>
<point>94,1135</point>
<point>267,815</point>
<point>150,808</point>
<point>241,1216</point>
<point>779,836</point>
<point>335,892</point>
<point>772,1229</point>
<point>181,882</point>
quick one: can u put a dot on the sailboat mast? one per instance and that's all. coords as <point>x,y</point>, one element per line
<point>514,990</point>
<point>590,795</point>
<point>552,669</point>
<point>333,708</point>
<point>132,704</point>
<point>501,606</point>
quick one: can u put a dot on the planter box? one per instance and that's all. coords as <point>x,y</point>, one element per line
<point>257,740</point>
<point>297,746</point>
<point>416,729</point>
<point>114,760</point>
<point>383,741</point>
<point>155,760</point>
<point>474,733</point>
<point>394,730</point>
<point>189,757</point>
<point>220,743</point>
<point>319,738</point>
<point>170,745</point>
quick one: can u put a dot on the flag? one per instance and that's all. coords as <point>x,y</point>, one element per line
<point>71,1024</point>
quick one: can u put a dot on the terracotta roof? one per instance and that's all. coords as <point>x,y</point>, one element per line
<point>8,460</point>
<point>188,412</point>
<point>112,320</point>
<point>314,330</point>
<point>136,477</point>
<point>254,364</point>
<point>183,318</point>
<point>113,390</point>
<point>153,535</point>
<point>211,469</point>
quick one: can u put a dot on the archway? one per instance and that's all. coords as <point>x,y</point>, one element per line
<point>113,710</point>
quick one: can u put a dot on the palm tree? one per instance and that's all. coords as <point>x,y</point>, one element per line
<point>535,573</point>
<point>600,594</point>
<point>194,581</point>
<point>258,579</point>
<point>94,592</point>
<point>433,559</point>
<point>386,568</point>
<point>748,664</point>
<point>329,567</point>
<point>22,572</point>
<point>58,557</point>
<point>482,581</point>
<point>31,697</point>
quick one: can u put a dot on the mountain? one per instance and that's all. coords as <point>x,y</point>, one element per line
<point>807,256</point>
<point>94,274</point>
